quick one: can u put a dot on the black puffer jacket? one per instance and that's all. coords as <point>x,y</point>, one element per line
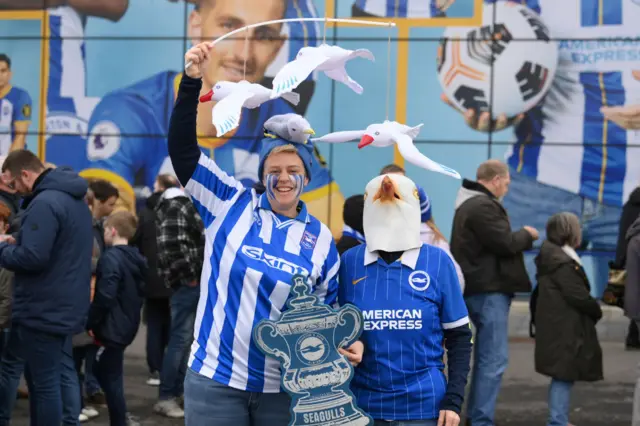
<point>482,242</point>
<point>630,212</point>
<point>145,241</point>
<point>567,346</point>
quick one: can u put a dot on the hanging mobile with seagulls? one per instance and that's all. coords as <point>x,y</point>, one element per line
<point>387,134</point>
<point>330,59</point>
<point>232,97</point>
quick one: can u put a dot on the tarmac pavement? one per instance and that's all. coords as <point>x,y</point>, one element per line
<point>522,399</point>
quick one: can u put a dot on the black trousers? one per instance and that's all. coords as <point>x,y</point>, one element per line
<point>158,315</point>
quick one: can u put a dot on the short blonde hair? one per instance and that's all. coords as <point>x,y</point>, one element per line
<point>564,229</point>
<point>288,148</point>
<point>124,222</point>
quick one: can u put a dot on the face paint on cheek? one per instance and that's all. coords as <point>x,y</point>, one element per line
<point>298,182</point>
<point>271,184</point>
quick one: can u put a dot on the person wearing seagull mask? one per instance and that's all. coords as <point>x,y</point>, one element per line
<point>254,246</point>
<point>412,307</point>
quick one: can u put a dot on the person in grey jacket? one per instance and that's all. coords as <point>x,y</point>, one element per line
<point>632,298</point>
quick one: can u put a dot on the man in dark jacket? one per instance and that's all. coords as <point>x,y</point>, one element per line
<point>490,256</point>
<point>632,296</point>
<point>157,311</point>
<point>630,212</point>
<point>180,237</point>
<point>51,258</point>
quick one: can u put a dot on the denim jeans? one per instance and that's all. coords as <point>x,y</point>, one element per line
<point>184,303</point>
<point>559,400</point>
<point>108,366</point>
<point>70,386</point>
<point>209,403</point>
<point>529,202</point>
<point>426,422</point>
<point>42,355</point>
<point>91,385</point>
<point>490,315</point>
<point>158,313</point>
<point>635,419</point>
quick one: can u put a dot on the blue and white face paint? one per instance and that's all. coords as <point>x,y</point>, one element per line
<point>272,179</point>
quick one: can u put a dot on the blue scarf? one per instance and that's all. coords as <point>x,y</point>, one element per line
<point>348,231</point>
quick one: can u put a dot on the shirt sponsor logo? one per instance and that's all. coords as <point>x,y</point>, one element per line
<point>308,240</point>
<point>592,52</point>
<point>104,141</point>
<point>419,280</point>
<point>392,319</point>
<point>256,253</point>
<point>66,124</point>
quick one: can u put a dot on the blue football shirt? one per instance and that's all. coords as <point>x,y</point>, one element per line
<point>406,306</point>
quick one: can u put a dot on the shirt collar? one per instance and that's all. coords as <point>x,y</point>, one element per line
<point>303,215</point>
<point>409,257</point>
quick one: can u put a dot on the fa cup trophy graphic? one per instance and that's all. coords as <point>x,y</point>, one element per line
<point>306,340</point>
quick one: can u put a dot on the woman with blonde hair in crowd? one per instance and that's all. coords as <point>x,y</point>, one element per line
<point>429,232</point>
<point>567,347</point>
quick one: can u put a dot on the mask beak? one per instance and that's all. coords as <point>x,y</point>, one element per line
<point>206,97</point>
<point>366,140</point>
<point>387,191</point>
<point>309,132</point>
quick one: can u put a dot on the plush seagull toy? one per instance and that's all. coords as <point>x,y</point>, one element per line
<point>232,97</point>
<point>292,127</point>
<point>330,59</point>
<point>387,134</point>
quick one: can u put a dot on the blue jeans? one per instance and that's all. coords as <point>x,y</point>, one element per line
<point>70,385</point>
<point>91,385</point>
<point>108,366</point>
<point>490,315</point>
<point>529,202</point>
<point>559,400</point>
<point>209,403</point>
<point>184,303</point>
<point>42,355</point>
<point>429,422</point>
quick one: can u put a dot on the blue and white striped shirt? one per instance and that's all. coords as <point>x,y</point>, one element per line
<point>251,254</point>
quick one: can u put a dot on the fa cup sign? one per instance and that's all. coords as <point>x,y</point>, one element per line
<point>306,340</point>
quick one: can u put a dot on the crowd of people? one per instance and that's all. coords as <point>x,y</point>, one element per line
<point>77,276</point>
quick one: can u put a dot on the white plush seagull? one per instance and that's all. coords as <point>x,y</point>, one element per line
<point>291,127</point>
<point>330,59</point>
<point>389,133</point>
<point>232,97</point>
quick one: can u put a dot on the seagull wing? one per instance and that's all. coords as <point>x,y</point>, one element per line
<point>411,153</point>
<point>226,113</point>
<point>339,137</point>
<point>295,72</point>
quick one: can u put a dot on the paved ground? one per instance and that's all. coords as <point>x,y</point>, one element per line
<point>522,400</point>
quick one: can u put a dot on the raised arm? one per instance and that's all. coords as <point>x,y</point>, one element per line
<point>212,190</point>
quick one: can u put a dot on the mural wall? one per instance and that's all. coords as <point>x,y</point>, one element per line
<point>97,85</point>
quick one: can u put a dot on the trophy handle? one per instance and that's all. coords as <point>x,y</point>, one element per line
<point>269,340</point>
<point>352,311</point>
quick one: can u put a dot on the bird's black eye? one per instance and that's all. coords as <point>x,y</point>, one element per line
<point>293,130</point>
<point>377,133</point>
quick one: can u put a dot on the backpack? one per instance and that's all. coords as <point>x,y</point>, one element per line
<point>533,302</point>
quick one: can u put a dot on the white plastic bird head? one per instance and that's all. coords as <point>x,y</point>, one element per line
<point>305,50</point>
<point>391,218</point>
<point>222,89</point>
<point>378,131</point>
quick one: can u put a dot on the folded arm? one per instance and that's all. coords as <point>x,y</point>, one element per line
<point>35,242</point>
<point>494,231</point>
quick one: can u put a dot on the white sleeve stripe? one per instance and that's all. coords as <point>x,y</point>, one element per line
<point>460,322</point>
<point>211,165</point>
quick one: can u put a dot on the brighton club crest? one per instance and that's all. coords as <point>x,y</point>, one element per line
<point>306,340</point>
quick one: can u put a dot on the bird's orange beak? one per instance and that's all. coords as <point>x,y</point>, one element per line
<point>207,97</point>
<point>387,191</point>
<point>366,140</point>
